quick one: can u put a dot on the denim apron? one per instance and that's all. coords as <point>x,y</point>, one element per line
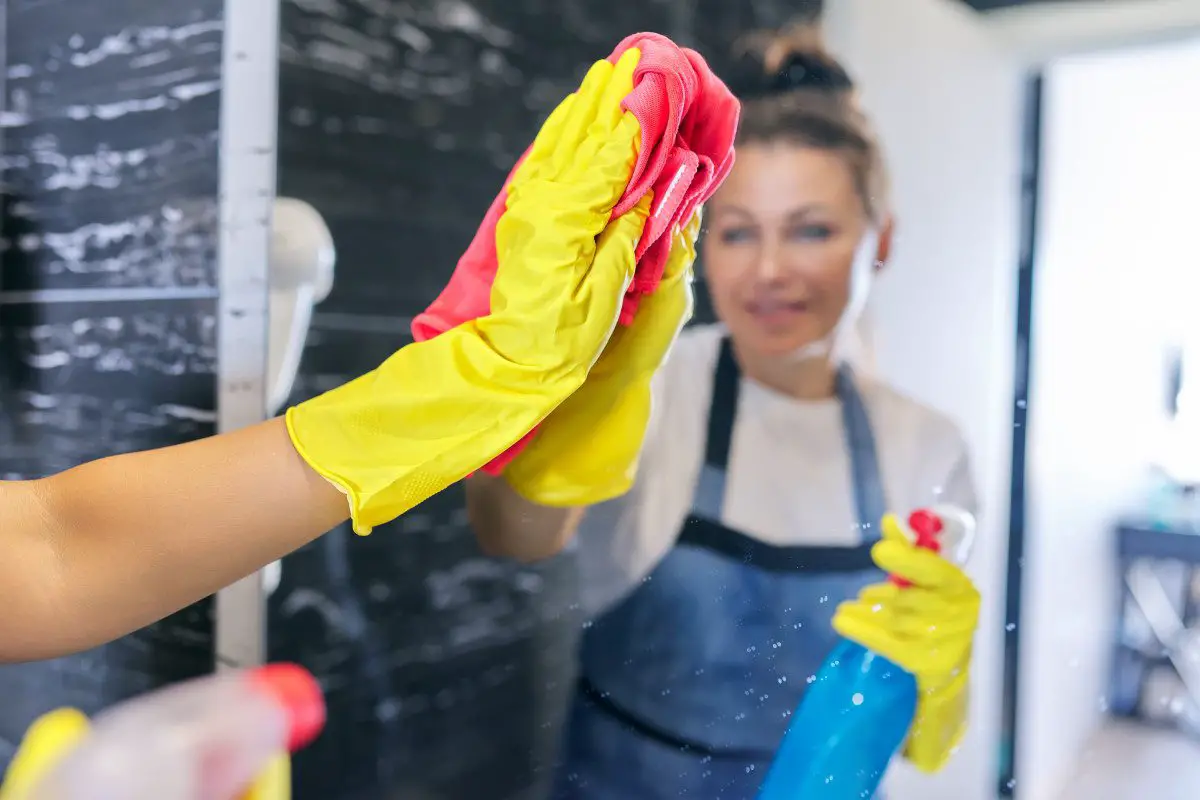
<point>687,685</point>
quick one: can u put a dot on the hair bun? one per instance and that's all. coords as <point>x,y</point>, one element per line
<point>786,61</point>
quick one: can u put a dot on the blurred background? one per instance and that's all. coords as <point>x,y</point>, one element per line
<point>1042,293</point>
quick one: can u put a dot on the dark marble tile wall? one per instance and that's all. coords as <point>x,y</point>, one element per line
<point>107,280</point>
<point>447,672</point>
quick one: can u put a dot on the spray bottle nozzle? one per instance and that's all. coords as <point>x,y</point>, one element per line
<point>946,530</point>
<point>928,528</point>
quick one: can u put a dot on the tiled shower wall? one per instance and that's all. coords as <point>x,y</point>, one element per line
<point>107,279</point>
<point>447,672</point>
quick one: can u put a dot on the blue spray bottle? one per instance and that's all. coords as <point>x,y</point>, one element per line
<point>857,713</point>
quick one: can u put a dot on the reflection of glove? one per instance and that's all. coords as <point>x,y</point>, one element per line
<point>587,450</point>
<point>53,736</point>
<point>440,409</point>
<point>926,628</point>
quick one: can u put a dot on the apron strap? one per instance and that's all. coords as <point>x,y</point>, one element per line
<point>865,478</point>
<point>722,410</point>
<point>708,498</point>
<point>865,474</point>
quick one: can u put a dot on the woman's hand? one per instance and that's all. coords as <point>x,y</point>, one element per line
<point>927,628</point>
<point>587,451</point>
<point>440,409</point>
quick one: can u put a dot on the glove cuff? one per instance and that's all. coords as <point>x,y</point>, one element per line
<point>939,724</point>
<point>430,415</point>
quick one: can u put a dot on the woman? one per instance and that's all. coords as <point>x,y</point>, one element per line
<point>765,473</point>
<point>102,549</point>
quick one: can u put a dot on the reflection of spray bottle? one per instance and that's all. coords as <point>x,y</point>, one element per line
<point>857,713</point>
<point>213,738</point>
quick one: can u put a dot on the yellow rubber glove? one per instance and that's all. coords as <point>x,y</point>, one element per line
<point>926,628</point>
<point>47,742</point>
<point>440,409</point>
<point>274,782</point>
<point>587,450</point>
<point>53,736</point>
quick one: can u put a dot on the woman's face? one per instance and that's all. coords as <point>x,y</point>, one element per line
<point>781,238</point>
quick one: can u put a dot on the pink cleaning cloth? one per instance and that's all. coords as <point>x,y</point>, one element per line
<point>688,119</point>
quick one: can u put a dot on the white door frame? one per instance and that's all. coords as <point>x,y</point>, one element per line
<point>248,153</point>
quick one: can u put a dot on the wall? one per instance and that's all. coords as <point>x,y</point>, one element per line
<point>107,316</point>
<point>947,103</point>
<point>1117,221</point>
<point>1045,31</point>
<point>447,672</point>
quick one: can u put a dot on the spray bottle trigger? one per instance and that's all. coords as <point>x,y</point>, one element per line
<point>924,529</point>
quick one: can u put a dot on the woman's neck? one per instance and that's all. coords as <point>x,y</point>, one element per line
<point>802,379</point>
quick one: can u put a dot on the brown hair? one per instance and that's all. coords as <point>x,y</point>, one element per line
<point>792,90</point>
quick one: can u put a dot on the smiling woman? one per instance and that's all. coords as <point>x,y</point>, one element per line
<point>713,581</point>
<point>799,229</point>
<point>783,255</point>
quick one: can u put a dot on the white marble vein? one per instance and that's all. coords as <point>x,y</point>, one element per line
<point>124,122</point>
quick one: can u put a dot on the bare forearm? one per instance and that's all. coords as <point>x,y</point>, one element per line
<point>508,525</point>
<point>105,548</point>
